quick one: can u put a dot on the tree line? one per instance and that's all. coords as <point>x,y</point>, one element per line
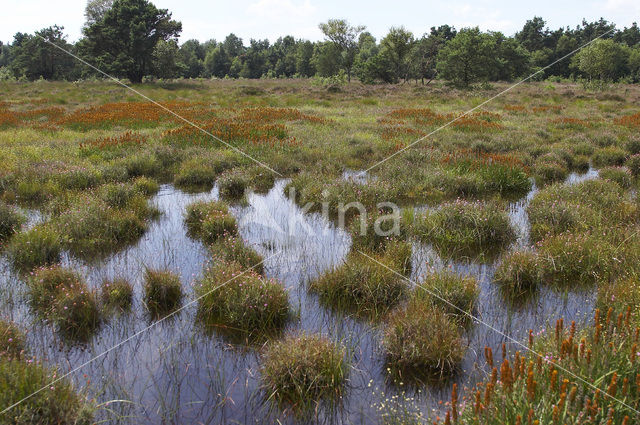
<point>134,39</point>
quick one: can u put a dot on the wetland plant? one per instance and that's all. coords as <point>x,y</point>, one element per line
<point>209,220</point>
<point>454,294</point>
<point>117,294</point>
<point>300,370</point>
<point>233,249</point>
<point>36,247</point>
<point>10,221</point>
<point>162,291</point>
<point>519,273</point>
<point>12,341</point>
<point>233,299</point>
<point>620,175</point>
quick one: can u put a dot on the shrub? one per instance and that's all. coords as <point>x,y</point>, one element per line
<point>208,221</point>
<point>420,337</point>
<point>59,404</point>
<point>10,221</point>
<point>463,227</point>
<point>609,156</point>
<point>303,369</point>
<point>620,175</point>
<point>452,293</point>
<point>36,247</point>
<point>518,273</point>
<point>234,298</point>
<point>162,291</point>
<point>61,296</point>
<point>117,294</point>
<point>12,341</point>
<point>233,249</point>
<point>362,285</point>
<point>196,175</point>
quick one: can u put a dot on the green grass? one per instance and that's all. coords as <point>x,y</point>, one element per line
<point>609,156</point>
<point>117,294</point>
<point>58,404</point>
<point>233,249</point>
<point>452,293</point>
<point>241,303</point>
<point>39,246</point>
<point>162,292</point>
<point>10,222</point>
<point>519,273</point>
<point>465,228</point>
<point>12,341</point>
<point>209,221</point>
<point>620,175</point>
<point>301,370</point>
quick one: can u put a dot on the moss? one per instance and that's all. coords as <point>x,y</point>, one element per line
<point>162,291</point>
<point>547,172</point>
<point>196,175</point>
<point>301,370</point>
<point>146,186</point>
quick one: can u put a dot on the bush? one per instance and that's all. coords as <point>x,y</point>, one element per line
<point>609,156</point>
<point>61,296</point>
<point>620,175</point>
<point>519,273</point>
<point>420,337</point>
<point>162,291</point>
<point>117,294</point>
<point>39,246</point>
<point>10,221</point>
<point>208,221</point>
<point>12,341</point>
<point>59,404</point>
<point>248,303</point>
<point>465,228</point>
<point>362,285</point>
<point>303,369</point>
<point>233,249</point>
<point>454,294</point>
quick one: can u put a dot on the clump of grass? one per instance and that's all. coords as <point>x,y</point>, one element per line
<point>233,249</point>
<point>146,186</point>
<point>232,183</point>
<point>633,163</point>
<point>547,172</point>
<point>196,175</point>
<point>587,205</point>
<point>519,273</point>
<point>117,294</point>
<point>420,337</point>
<point>234,299</point>
<point>61,296</point>
<point>162,291</point>
<point>362,285</point>
<point>452,293</point>
<point>609,156</point>
<point>58,404</point>
<point>465,228</point>
<point>10,222</point>
<point>620,175</point>
<point>143,164</point>
<point>12,341</point>
<point>301,370</point>
<point>78,179</point>
<point>208,221</point>
<point>39,246</point>
<point>530,389</point>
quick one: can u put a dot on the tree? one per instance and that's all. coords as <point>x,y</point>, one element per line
<point>604,60</point>
<point>233,45</point>
<point>122,43</point>
<point>191,59</point>
<point>217,62</point>
<point>327,59</point>
<point>345,37</point>
<point>95,11</point>
<point>395,46</point>
<point>533,35</point>
<point>469,57</point>
<point>513,60</point>
<point>304,55</point>
<point>35,56</point>
<point>164,59</point>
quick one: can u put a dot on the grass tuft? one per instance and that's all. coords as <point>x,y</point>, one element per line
<point>209,221</point>
<point>117,294</point>
<point>39,246</point>
<point>162,291</point>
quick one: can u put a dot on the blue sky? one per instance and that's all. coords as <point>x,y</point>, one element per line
<point>203,19</point>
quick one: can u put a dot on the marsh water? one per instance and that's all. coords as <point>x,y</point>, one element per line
<point>177,372</point>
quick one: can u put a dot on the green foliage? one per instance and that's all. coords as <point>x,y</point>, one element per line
<point>605,60</point>
<point>117,294</point>
<point>10,221</point>
<point>232,249</point>
<point>519,273</point>
<point>468,58</point>
<point>301,370</point>
<point>450,292</point>
<point>59,404</point>
<point>162,291</point>
<point>208,221</point>
<point>234,299</point>
<point>33,248</point>
<point>12,341</point>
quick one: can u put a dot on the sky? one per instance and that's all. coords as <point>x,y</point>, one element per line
<point>259,19</point>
